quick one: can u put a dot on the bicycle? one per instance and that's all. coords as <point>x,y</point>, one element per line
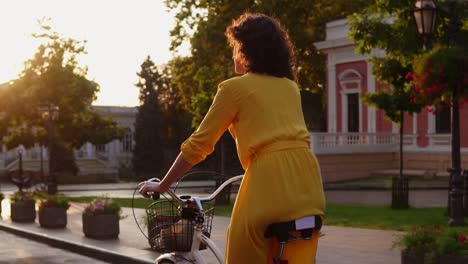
<point>182,226</point>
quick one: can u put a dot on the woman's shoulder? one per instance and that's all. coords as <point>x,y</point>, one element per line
<point>251,81</point>
<point>237,80</point>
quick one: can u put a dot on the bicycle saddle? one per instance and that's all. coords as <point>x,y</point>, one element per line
<point>305,225</point>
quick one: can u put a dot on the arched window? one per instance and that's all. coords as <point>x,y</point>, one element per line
<point>127,143</point>
<point>351,82</point>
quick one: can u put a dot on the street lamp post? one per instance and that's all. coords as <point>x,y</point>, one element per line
<point>425,15</point>
<point>50,114</point>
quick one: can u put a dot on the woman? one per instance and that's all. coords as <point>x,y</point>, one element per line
<point>262,110</point>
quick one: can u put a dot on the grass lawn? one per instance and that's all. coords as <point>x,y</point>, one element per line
<point>372,217</point>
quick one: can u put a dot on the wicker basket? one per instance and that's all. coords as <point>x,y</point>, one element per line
<point>171,225</point>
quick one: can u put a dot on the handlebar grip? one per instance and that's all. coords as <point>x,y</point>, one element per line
<point>155,196</point>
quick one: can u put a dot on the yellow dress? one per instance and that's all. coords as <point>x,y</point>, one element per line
<point>282,179</point>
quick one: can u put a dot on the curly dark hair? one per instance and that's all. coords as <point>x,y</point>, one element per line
<point>263,45</point>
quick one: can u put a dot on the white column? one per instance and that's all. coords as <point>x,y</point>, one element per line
<point>395,128</point>
<point>431,123</point>
<point>331,96</point>
<point>371,111</point>
<point>89,150</point>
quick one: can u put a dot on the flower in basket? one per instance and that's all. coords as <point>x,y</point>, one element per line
<point>54,201</point>
<point>19,197</point>
<point>436,75</point>
<point>103,205</point>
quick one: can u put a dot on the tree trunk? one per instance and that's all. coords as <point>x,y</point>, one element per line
<point>400,183</point>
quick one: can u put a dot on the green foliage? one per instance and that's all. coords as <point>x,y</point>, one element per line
<point>161,122</point>
<point>437,74</point>
<point>419,240</point>
<point>148,151</point>
<point>207,80</point>
<point>53,77</point>
<point>388,25</point>
<point>19,197</point>
<point>62,158</point>
<point>57,200</point>
<point>453,241</point>
<point>202,23</point>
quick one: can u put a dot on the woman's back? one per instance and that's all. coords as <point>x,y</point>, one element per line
<point>268,110</point>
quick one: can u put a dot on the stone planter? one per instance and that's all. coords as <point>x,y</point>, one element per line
<point>24,211</point>
<point>412,258</point>
<point>448,259</point>
<point>53,217</point>
<point>104,226</point>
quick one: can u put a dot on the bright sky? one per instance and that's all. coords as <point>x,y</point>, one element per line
<point>119,33</point>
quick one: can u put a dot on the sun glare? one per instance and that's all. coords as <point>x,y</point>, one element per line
<point>119,34</point>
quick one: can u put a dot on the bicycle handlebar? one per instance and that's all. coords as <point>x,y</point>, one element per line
<point>204,199</point>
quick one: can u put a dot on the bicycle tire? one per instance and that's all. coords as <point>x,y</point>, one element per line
<point>166,262</point>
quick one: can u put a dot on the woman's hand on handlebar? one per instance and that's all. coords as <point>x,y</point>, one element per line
<point>147,187</point>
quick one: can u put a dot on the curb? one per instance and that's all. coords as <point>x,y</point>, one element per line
<point>377,188</point>
<point>85,250</point>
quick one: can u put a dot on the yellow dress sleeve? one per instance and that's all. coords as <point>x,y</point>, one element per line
<point>220,115</point>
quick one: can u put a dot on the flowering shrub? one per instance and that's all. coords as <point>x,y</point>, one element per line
<point>453,242</point>
<point>103,205</point>
<point>436,74</point>
<point>434,241</point>
<point>57,200</point>
<point>22,197</point>
<point>419,240</point>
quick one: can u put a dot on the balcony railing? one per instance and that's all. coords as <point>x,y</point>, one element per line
<point>328,143</point>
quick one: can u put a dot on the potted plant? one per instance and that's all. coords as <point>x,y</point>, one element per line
<point>101,219</point>
<point>415,244</point>
<point>23,207</point>
<point>433,245</point>
<point>53,211</point>
<point>452,246</point>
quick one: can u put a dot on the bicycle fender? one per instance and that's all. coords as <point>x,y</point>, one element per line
<point>166,257</point>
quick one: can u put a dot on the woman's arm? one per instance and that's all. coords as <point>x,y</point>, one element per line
<point>201,143</point>
<point>178,168</point>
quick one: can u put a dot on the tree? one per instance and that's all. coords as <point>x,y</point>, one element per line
<point>389,25</point>
<point>176,120</point>
<point>202,23</point>
<point>148,154</point>
<point>395,103</point>
<point>53,77</point>
<point>304,20</point>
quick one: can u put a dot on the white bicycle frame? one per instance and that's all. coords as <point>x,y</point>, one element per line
<point>194,255</point>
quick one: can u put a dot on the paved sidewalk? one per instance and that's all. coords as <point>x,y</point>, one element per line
<point>340,245</point>
<point>18,250</point>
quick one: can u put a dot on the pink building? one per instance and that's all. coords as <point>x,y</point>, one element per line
<point>359,140</point>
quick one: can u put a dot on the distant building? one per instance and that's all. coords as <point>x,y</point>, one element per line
<point>359,140</point>
<point>93,161</point>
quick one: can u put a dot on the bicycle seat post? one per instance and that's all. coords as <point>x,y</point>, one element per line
<point>277,259</point>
